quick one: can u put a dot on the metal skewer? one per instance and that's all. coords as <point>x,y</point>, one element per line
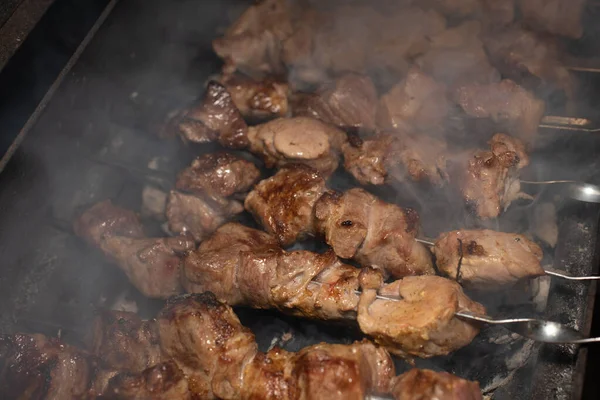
<point>549,271</point>
<point>574,189</point>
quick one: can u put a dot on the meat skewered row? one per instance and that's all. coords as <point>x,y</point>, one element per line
<point>197,348</point>
<point>295,203</point>
<point>244,266</point>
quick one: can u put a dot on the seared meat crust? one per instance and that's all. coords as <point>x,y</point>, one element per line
<point>421,384</point>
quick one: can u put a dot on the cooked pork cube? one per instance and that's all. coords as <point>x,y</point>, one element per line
<point>421,384</point>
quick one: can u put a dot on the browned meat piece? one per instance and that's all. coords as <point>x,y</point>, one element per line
<point>349,101</point>
<point>559,17</point>
<point>489,182</point>
<point>518,110</point>
<point>122,341</point>
<point>252,43</point>
<point>217,175</point>
<point>164,381</point>
<point>152,265</point>
<point>416,102</point>
<point>258,98</point>
<point>36,367</point>
<point>519,54</point>
<point>298,140</point>
<point>188,213</point>
<point>487,258</point>
<point>423,323</point>
<point>214,270</point>
<point>422,384</point>
<point>284,203</point>
<point>358,225</point>
<point>323,371</point>
<point>214,118</point>
<point>100,382</point>
<point>372,161</point>
<point>457,56</point>
<point>243,266</point>
<point>103,220</point>
<point>394,158</point>
<point>207,341</point>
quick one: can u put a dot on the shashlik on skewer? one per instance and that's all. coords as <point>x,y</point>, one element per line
<point>243,266</point>
<point>295,203</point>
<point>201,350</point>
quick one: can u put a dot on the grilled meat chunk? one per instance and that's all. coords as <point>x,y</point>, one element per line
<point>348,102</point>
<point>252,43</point>
<point>260,99</point>
<point>284,203</point>
<point>152,265</point>
<point>374,160</point>
<point>500,12</point>
<point>422,323</point>
<point>323,371</point>
<point>506,103</point>
<point>212,267</point>
<point>214,118</point>
<point>358,225</point>
<point>123,341</point>
<point>396,158</point>
<point>216,175</point>
<point>559,17</point>
<point>422,384</point>
<point>298,140</point>
<point>211,179</point>
<point>416,103</point>
<point>206,340</point>
<point>164,381</point>
<point>188,213</point>
<point>457,56</point>
<point>489,183</point>
<point>104,219</point>
<point>243,266</point>
<point>528,58</point>
<point>487,258</point>
<point>37,367</point>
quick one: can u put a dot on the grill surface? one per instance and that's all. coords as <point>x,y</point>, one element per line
<point>95,140</point>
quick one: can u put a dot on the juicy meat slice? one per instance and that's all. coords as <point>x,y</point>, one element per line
<point>457,56</point>
<point>260,99</point>
<point>519,53</point>
<point>251,270</point>
<point>213,266</point>
<point>518,110</point>
<point>207,341</point>
<point>335,371</point>
<point>104,219</point>
<point>559,17</point>
<point>421,384</point>
<point>152,265</point>
<point>489,183</point>
<point>487,258</point>
<point>164,381</point>
<point>214,118</point>
<point>284,203</point>
<point>423,322</point>
<point>252,43</point>
<point>37,367</point>
<point>188,213</point>
<point>416,102</point>
<point>395,158</point>
<point>297,140</point>
<point>123,341</point>
<point>216,175</point>
<point>358,225</point>
<point>348,102</point>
